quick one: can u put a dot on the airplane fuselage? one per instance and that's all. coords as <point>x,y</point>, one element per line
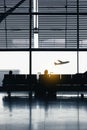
<point>60,63</point>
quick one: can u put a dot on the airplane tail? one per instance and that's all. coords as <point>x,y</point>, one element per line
<point>55,63</point>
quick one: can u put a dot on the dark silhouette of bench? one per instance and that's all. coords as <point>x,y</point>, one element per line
<point>19,82</point>
<point>48,84</point>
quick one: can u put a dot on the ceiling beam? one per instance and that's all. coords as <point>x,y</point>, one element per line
<point>8,12</point>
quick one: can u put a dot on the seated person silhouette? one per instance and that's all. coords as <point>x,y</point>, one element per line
<point>45,78</point>
<point>46,72</point>
<point>10,72</point>
<point>11,77</point>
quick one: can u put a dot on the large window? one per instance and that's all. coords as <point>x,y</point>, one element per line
<point>82,62</point>
<point>15,61</point>
<point>44,29</point>
<point>14,24</point>
<point>47,60</point>
<point>57,23</point>
<point>43,24</point>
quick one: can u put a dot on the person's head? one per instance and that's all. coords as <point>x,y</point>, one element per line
<point>46,72</point>
<point>10,72</point>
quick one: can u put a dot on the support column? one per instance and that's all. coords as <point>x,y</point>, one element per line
<point>77,36</point>
<point>35,10</point>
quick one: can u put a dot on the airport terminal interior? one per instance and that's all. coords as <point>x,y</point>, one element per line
<point>43,64</point>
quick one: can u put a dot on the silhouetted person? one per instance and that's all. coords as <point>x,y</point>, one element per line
<point>10,72</point>
<point>45,79</point>
<point>7,79</point>
<point>46,72</point>
<point>9,83</point>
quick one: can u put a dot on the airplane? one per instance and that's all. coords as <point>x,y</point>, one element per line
<point>60,62</point>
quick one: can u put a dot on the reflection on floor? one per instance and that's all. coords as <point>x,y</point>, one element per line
<point>21,113</point>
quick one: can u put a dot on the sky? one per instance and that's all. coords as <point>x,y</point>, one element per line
<point>15,61</point>
<point>43,60</point>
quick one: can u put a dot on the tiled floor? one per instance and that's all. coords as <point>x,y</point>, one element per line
<point>19,113</point>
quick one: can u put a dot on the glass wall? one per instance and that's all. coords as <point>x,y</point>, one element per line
<point>15,61</point>
<point>82,62</point>
<point>14,24</point>
<point>51,27</point>
<point>58,24</point>
<point>52,62</point>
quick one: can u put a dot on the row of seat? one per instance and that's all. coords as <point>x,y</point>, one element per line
<point>19,81</point>
<point>48,82</point>
<point>62,79</point>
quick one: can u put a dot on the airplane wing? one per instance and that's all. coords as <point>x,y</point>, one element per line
<point>60,61</point>
<point>55,63</point>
